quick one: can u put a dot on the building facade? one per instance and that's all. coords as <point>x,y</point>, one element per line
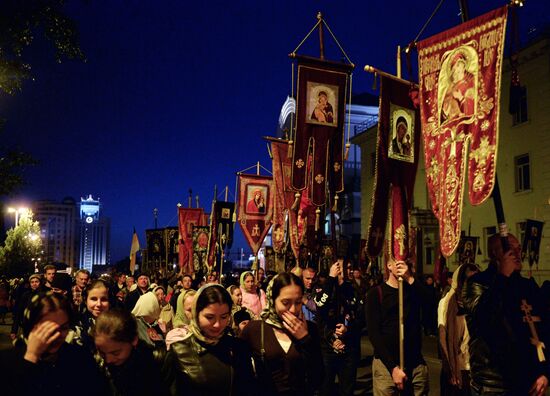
<point>57,222</point>
<point>94,234</point>
<point>523,163</point>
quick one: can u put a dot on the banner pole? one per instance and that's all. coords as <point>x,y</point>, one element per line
<point>401,326</point>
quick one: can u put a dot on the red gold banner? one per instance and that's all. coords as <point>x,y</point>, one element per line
<point>255,208</point>
<point>321,104</point>
<point>460,72</point>
<point>397,150</point>
<point>284,195</point>
<point>187,218</point>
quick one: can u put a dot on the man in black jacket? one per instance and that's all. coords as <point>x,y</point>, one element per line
<point>504,353</point>
<point>383,330</point>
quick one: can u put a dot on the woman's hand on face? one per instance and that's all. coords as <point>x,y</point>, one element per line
<point>296,326</point>
<point>40,338</point>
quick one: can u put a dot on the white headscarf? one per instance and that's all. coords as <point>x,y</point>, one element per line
<point>147,307</point>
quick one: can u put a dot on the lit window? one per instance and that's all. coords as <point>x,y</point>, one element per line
<point>523,172</point>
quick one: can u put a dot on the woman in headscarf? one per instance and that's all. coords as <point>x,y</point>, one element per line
<point>253,297</point>
<point>454,336</point>
<point>209,360</point>
<point>96,297</point>
<point>147,313</point>
<point>286,347</point>
<point>182,319</point>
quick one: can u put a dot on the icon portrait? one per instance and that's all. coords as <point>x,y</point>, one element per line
<point>322,104</point>
<point>256,199</point>
<point>401,144</point>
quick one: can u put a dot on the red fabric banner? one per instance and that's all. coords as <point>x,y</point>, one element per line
<point>187,218</point>
<point>397,149</point>
<point>255,208</point>
<point>460,72</point>
<point>320,114</point>
<point>284,195</point>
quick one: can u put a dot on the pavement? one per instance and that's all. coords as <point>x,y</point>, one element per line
<point>364,374</point>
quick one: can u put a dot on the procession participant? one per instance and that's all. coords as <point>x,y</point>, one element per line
<point>147,314</point>
<point>383,329</point>
<point>253,297</point>
<point>22,302</point>
<point>209,360</point>
<point>454,336</point>
<point>182,318</point>
<point>506,325</point>
<point>142,288</point>
<point>82,277</point>
<point>309,308</point>
<point>340,329</point>
<point>97,300</point>
<point>49,273</point>
<point>285,346</point>
<point>124,356</point>
<point>42,361</point>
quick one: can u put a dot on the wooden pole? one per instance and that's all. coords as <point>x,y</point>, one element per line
<point>401,325</point>
<point>321,37</point>
<point>398,61</point>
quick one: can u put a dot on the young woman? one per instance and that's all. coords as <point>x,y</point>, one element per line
<point>42,362</point>
<point>96,297</point>
<point>124,357</point>
<point>253,298</point>
<point>285,346</point>
<point>179,332</point>
<point>209,361</point>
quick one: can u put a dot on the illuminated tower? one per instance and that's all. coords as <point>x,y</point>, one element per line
<point>95,230</point>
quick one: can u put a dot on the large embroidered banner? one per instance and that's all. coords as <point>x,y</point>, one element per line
<point>187,218</point>
<point>321,96</point>
<point>460,72</point>
<point>201,235</point>
<point>221,235</point>
<point>397,149</point>
<point>284,195</point>
<point>255,208</point>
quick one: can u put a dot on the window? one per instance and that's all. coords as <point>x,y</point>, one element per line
<point>523,172</point>
<point>520,107</point>
<point>487,232</point>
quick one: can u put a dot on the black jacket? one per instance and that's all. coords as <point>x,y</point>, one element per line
<point>194,368</point>
<point>501,353</point>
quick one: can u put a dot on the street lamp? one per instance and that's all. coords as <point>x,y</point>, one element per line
<point>17,212</point>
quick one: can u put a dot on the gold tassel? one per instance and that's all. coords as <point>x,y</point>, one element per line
<point>296,205</point>
<point>317,219</point>
<point>335,206</point>
<point>346,153</point>
<point>234,218</point>
<point>289,152</point>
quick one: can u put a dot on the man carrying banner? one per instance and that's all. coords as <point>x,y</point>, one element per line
<point>383,329</point>
<point>507,330</point>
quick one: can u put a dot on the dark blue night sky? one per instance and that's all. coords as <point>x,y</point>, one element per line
<point>177,94</point>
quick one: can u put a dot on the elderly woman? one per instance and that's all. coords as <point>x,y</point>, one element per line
<point>147,313</point>
<point>209,361</point>
<point>253,297</point>
<point>183,321</point>
<point>286,347</point>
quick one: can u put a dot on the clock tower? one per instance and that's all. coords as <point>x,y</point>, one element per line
<point>94,234</point>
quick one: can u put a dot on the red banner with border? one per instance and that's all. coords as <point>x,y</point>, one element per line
<point>460,72</point>
<point>187,218</point>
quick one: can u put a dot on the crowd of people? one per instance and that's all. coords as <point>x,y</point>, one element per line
<point>292,333</point>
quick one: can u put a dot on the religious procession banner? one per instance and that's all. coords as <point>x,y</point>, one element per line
<point>460,72</point>
<point>284,198</point>
<point>187,218</point>
<point>530,248</point>
<point>322,88</point>
<point>255,208</point>
<point>221,235</point>
<point>397,149</point>
<point>201,236</point>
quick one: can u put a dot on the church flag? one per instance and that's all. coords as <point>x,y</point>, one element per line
<point>322,89</point>
<point>200,237</point>
<point>397,150</point>
<point>284,195</point>
<point>255,208</point>
<point>187,218</point>
<point>134,249</point>
<point>531,241</point>
<point>467,250</point>
<point>459,73</point>
<point>221,235</point>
